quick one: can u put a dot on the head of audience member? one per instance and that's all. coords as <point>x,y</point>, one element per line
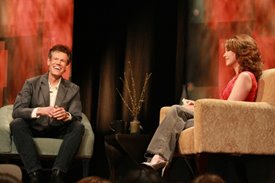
<point>208,178</point>
<point>93,179</point>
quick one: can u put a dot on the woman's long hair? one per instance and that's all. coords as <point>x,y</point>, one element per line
<point>247,53</point>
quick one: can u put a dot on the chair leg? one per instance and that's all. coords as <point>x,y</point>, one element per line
<point>85,167</point>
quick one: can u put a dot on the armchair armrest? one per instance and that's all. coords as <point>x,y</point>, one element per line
<point>87,145</point>
<point>234,127</point>
<point>5,119</point>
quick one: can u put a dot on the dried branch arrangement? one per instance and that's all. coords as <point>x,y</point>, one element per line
<point>135,103</point>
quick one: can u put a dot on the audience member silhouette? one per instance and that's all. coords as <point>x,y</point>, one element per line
<point>208,178</point>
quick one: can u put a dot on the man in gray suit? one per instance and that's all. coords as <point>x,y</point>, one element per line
<point>48,106</point>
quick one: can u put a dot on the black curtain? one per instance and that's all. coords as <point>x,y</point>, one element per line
<point>107,35</point>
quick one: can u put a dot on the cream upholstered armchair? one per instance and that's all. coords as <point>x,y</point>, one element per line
<point>233,127</point>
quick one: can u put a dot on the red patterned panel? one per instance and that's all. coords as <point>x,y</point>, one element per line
<point>3,68</point>
<point>23,17</point>
<point>264,17</point>
<point>228,10</point>
<point>267,47</point>
<point>2,45</point>
<point>3,72</point>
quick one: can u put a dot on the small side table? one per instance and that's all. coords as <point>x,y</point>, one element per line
<point>119,146</point>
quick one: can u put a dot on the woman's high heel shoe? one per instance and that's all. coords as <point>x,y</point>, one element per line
<point>157,163</point>
<point>155,166</point>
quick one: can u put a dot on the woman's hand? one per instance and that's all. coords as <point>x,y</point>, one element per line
<point>188,104</point>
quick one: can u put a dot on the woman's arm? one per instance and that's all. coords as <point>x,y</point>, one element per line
<point>241,87</point>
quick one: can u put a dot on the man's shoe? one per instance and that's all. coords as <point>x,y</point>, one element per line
<point>34,177</point>
<point>57,176</point>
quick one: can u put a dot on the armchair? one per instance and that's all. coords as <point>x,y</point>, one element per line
<point>233,127</point>
<point>47,147</point>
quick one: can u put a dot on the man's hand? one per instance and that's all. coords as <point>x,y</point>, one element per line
<point>45,111</point>
<point>58,113</point>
